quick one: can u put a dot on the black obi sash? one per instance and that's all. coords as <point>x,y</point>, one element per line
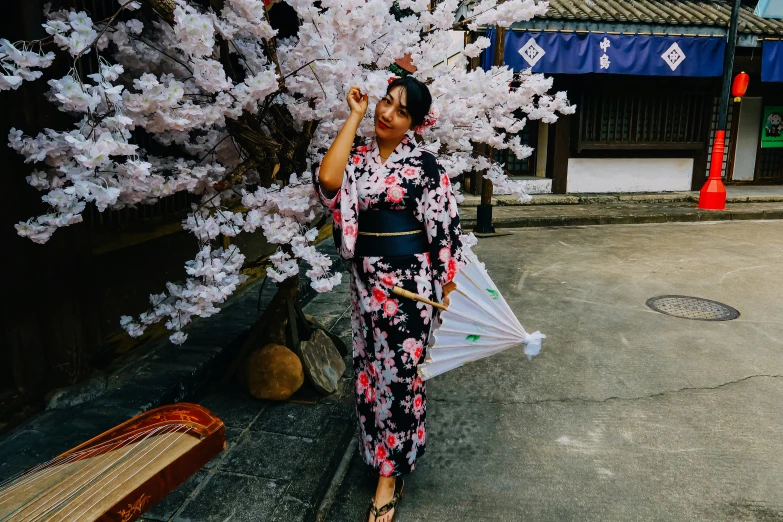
<point>385,222</point>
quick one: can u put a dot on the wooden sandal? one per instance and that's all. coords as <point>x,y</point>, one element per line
<point>392,504</point>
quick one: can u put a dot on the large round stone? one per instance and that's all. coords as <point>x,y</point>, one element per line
<point>273,372</point>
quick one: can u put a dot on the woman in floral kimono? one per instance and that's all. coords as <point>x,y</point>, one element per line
<point>395,218</point>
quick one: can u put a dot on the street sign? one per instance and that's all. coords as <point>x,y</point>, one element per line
<point>772,127</point>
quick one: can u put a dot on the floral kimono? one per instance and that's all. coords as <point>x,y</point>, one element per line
<point>390,333</point>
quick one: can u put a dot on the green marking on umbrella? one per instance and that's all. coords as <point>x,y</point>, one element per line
<point>493,293</point>
<point>473,338</point>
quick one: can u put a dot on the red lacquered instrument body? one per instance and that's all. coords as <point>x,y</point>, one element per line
<point>120,474</point>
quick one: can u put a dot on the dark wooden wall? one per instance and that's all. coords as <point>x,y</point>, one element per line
<point>61,302</point>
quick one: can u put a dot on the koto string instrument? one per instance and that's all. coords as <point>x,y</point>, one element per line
<point>120,474</point>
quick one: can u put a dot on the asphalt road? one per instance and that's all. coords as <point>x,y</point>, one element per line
<point>627,414</point>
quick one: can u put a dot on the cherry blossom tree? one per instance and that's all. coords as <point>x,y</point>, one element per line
<point>243,114</point>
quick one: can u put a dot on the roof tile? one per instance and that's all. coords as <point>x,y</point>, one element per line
<point>669,12</point>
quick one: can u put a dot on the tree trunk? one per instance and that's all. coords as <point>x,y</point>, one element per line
<point>272,327</point>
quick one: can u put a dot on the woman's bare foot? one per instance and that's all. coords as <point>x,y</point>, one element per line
<point>383,495</point>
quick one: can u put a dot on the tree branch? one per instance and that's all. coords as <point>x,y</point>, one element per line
<point>183,64</point>
<point>270,46</point>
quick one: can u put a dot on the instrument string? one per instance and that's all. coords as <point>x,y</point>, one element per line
<point>50,470</point>
<point>90,476</point>
<point>80,474</point>
<point>71,476</point>
<point>47,468</point>
<point>116,472</point>
<point>161,452</point>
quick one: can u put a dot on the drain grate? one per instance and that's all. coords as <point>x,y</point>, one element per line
<point>692,308</point>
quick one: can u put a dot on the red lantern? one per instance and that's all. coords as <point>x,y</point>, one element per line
<point>740,86</point>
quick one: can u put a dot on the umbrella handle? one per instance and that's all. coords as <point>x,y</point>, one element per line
<point>416,297</point>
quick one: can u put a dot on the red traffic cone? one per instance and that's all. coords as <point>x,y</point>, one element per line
<point>713,194</point>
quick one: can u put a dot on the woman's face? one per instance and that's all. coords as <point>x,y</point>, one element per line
<point>392,119</point>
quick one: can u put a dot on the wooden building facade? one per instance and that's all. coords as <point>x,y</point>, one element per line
<point>647,133</point>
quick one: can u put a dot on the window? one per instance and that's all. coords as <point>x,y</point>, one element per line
<point>643,120</point>
<point>514,165</point>
<point>770,165</point>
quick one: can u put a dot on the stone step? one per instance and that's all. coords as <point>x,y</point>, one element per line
<point>769,194</point>
<point>618,213</point>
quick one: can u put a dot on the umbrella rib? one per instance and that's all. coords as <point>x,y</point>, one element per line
<point>503,309</point>
<point>479,267</point>
<point>469,318</point>
<point>491,335</point>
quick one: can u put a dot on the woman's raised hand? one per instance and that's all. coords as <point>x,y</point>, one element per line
<point>357,101</point>
<point>336,158</point>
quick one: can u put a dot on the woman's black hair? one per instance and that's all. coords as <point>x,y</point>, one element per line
<point>417,97</point>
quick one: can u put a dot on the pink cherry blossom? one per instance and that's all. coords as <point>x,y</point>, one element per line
<point>421,435</point>
<point>171,83</point>
<point>409,344</point>
<point>351,231</point>
<point>387,468</point>
<point>395,193</point>
<point>381,452</point>
<point>410,172</point>
<point>418,405</point>
<point>390,307</point>
<point>362,382</point>
<point>379,295</point>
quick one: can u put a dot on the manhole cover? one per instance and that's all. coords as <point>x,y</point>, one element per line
<point>692,308</point>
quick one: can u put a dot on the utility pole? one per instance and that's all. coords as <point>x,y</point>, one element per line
<point>484,210</point>
<point>713,194</point>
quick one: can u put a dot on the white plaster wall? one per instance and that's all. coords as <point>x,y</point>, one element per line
<point>629,174</point>
<point>748,135</point>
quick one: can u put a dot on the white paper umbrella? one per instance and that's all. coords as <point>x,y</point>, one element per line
<point>478,323</point>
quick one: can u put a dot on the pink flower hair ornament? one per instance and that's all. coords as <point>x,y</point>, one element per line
<point>429,120</point>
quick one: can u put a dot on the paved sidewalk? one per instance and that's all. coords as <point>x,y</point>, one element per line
<point>548,210</point>
<point>618,213</point>
<point>280,457</point>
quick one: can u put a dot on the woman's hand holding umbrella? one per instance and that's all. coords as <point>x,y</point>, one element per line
<point>447,289</point>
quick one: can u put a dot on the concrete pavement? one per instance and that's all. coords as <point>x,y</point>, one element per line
<point>627,414</point>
